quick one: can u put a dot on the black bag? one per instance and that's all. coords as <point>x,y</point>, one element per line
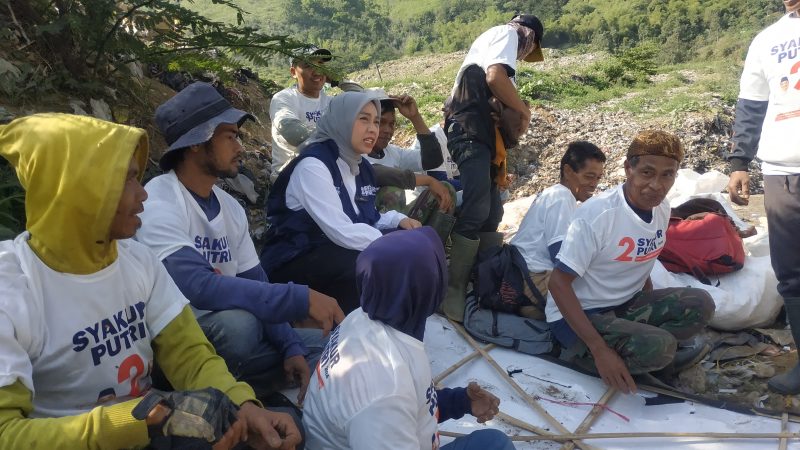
<point>500,278</point>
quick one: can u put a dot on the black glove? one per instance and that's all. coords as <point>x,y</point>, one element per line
<point>204,414</point>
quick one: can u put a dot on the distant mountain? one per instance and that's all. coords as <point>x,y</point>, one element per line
<point>364,31</point>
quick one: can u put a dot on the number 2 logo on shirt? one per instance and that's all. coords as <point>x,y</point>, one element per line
<point>645,251</point>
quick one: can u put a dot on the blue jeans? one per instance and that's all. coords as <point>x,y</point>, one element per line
<point>481,208</point>
<point>239,339</point>
<point>489,439</point>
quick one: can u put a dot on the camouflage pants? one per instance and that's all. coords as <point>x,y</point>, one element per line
<point>645,330</point>
<point>393,198</point>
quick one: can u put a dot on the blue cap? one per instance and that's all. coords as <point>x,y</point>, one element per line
<point>191,116</point>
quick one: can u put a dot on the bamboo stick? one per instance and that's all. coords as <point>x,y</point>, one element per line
<point>520,424</point>
<point>784,443</point>
<point>592,416</point>
<point>449,371</point>
<point>525,396</point>
<point>641,435</point>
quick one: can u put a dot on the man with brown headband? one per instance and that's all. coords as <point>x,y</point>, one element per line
<point>602,307</point>
<point>487,73</point>
<point>767,116</point>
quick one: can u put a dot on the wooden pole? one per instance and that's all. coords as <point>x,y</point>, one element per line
<point>525,396</point>
<point>520,424</point>
<point>784,443</point>
<point>641,435</point>
<point>447,372</point>
<point>592,416</point>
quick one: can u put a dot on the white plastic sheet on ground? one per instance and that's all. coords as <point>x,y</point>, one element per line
<point>747,298</point>
<point>571,391</point>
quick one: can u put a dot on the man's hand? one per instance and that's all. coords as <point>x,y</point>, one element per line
<point>406,105</point>
<point>483,403</point>
<point>442,195</point>
<point>297,371</point>
<point>409,224</point>
<point>739,187</point>
<point>612,369</point>
<point>324,311</point>
<point>233,436</point>
<point>268,429</point>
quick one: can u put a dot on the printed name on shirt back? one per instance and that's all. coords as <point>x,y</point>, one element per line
<point>213,250</point>
<point>329,358</point>
<point>641,249</point>
<point>432,401</point>
<point>109,336</point>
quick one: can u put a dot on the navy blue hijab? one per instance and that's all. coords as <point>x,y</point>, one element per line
<point>402,277</point>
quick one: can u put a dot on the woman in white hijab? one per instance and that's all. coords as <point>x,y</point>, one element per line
<point>321,209</point>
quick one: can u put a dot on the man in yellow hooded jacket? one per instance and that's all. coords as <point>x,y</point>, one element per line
<point>85,312</point>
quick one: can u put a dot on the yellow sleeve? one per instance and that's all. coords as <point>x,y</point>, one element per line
<point>190,362</point>
<point>104,427</point>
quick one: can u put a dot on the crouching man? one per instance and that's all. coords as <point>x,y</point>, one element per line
<point>602,307</point>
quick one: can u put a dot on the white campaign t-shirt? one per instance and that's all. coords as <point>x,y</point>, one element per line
<point>290,103</point>
<point>611,249</point>
<point>544,224</point>
<point>399,158</point>
<point>80,341</point>
<point>773,55</point>
<point>372,389</point>
<point>172,219</point>
<point>497,45</point>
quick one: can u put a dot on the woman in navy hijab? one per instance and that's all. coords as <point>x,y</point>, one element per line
<point>373,388</point>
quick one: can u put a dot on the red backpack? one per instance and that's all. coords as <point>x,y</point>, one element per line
<point>702,244</point>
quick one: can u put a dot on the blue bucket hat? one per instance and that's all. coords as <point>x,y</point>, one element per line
<point>191,116</point>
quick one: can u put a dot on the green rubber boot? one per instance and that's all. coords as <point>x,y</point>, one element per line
<point>462,258</point>
<point>788,383</point>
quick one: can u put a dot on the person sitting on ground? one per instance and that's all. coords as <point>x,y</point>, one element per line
<point>448,171</point>
<point>373,386</point>
<point>85,312</point>
<point>543,228</point>
<point>201,235</point>
<point>321,210</point>
<point>295,111</point>
<point>602,307</point>
<point>412,161</point>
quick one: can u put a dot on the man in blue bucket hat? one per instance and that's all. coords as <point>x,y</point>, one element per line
<point>201,235</point>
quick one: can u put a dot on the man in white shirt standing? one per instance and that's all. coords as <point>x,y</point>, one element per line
<point>602,307</point>
<point>543,228</point>
<point>488,71</point>
<point>294,111</point>
<point>767,115</point>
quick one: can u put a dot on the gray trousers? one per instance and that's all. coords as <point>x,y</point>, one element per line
<point>782,202</point>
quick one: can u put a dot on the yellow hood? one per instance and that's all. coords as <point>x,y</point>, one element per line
<point>73,169</point>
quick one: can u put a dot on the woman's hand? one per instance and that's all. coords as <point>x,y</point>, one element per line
<point>409,224</point>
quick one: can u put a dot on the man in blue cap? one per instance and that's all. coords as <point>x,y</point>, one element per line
<point>487,73</point>
<point>201,235</point>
